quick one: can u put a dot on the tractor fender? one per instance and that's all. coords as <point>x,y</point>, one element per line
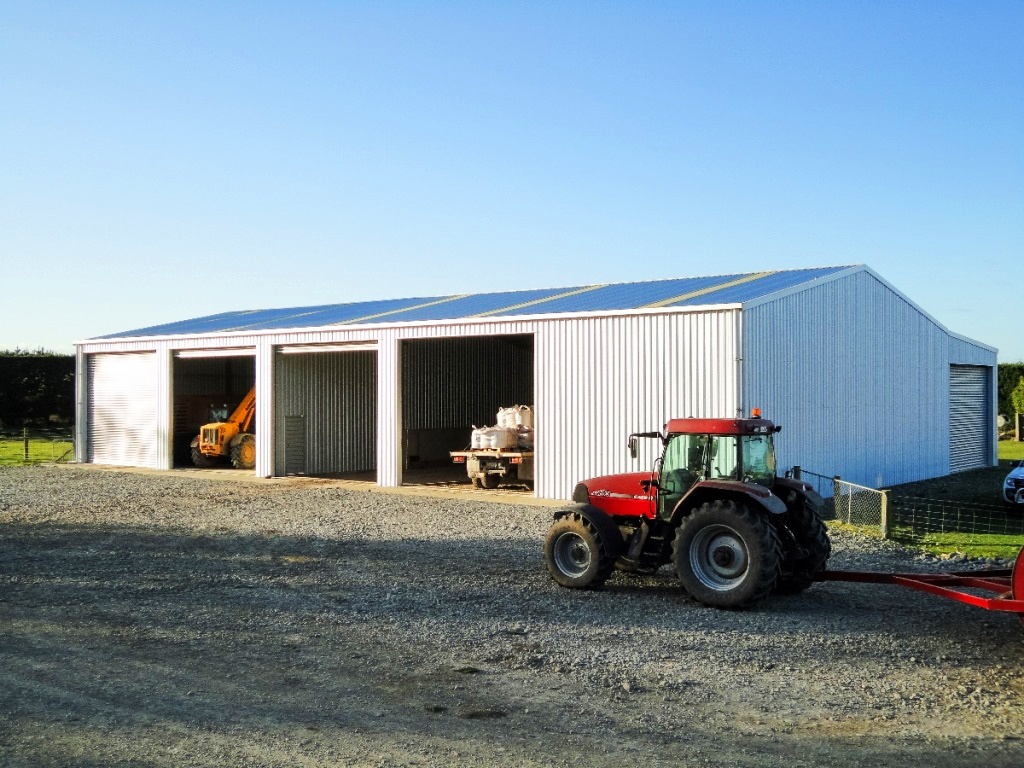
<point>598,518</point>
<point>790,491</point>
<point>195,442</point>
<point>755,496</point>
<point>237,439</point>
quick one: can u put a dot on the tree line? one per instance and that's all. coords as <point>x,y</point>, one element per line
<point>37,389</point>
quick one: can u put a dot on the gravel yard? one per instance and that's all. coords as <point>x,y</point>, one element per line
<point>171,619</point>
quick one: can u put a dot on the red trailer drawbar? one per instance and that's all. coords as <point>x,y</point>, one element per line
<point>994,589</point>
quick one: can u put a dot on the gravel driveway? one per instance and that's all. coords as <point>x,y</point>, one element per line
<point>172,619</point>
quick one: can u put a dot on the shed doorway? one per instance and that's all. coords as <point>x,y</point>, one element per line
<point>209,385</point>
<point>449,387</point>
<point>325,411</point>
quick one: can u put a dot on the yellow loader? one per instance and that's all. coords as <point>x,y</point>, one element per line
<point>228,439</point>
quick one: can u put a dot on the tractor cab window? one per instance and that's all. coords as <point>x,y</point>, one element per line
<point>758,459</point>
<point>723,457</point>
<point>683,464</point>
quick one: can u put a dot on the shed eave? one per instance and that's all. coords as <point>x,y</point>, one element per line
<point>973,342</point>
<point>373,327</point>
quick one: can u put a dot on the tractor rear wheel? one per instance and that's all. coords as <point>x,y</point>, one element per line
<point>577,554</point>
<point>726,555</point>
<point>804,524</point>
<point>243,452</point>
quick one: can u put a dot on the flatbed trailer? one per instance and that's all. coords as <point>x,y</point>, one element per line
<point>488,468</point>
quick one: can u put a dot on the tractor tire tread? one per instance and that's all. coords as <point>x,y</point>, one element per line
<point>607,552</point>
<point>807,528</point>
<point>764,538</point>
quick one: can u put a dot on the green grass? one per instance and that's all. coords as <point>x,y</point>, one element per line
<point>970,544</point>
<point>12,451</point>
<point>1011,450</point>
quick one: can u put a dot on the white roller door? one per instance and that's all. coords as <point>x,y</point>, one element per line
<point>122,409</point>
<point>970,418</point>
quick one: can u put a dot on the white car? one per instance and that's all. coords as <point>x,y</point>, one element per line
<point>1013,486</point>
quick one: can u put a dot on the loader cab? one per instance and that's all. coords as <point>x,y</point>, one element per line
<point>718,450</point>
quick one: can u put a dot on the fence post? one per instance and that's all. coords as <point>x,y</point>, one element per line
<point>24,434</point>
<point>835,498</point>
<point>885,514</point>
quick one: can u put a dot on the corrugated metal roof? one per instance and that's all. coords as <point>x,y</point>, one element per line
<point>687,291</point>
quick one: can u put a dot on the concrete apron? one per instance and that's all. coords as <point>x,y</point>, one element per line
<point>460,491</point>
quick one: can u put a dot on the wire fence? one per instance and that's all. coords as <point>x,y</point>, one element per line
<point>908,517</point>
<point>938,516</point>
<point>823,484</point>
<point>36,446</point>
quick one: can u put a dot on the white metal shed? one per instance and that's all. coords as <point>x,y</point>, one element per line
<point>865,383</point>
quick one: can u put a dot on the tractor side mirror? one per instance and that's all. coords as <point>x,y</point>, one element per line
<point>632,446</point>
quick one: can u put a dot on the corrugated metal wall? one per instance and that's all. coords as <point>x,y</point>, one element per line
<point>858,378</point>
<point>598,379</point>
<point>965,352</point>
<point>336,392</point>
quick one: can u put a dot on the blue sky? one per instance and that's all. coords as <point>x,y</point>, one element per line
<point>160,161</point>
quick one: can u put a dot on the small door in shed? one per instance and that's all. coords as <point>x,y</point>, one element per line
<point>970,417</point>
<point>122,428</point>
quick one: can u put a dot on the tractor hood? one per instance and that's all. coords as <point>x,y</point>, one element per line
<point>618,494</point>
<point>626,484</point>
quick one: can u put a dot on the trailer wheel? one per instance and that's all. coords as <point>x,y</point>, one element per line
<point>243,452</point>
<point>476,482</point>
<point>803,522</point>
<point>489,481</point>
<point>727,556</point>
<point>199,458</point>
<point>577,555</point>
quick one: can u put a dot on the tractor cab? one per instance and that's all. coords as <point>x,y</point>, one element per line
<point>710,450</point>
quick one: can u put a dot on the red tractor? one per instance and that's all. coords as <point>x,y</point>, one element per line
<point>712,506</point>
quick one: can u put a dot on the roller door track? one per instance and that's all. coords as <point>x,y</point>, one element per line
<point>970,417</point>
<point>122,410</point>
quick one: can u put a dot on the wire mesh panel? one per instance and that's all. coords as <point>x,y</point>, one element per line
<point>938,516</point>
<point>858,505</point>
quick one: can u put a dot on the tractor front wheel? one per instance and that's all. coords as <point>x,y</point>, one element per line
<point>577,555</point>
<point>726,555</point>
<point>199,458</point>
<point>243,452</point>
